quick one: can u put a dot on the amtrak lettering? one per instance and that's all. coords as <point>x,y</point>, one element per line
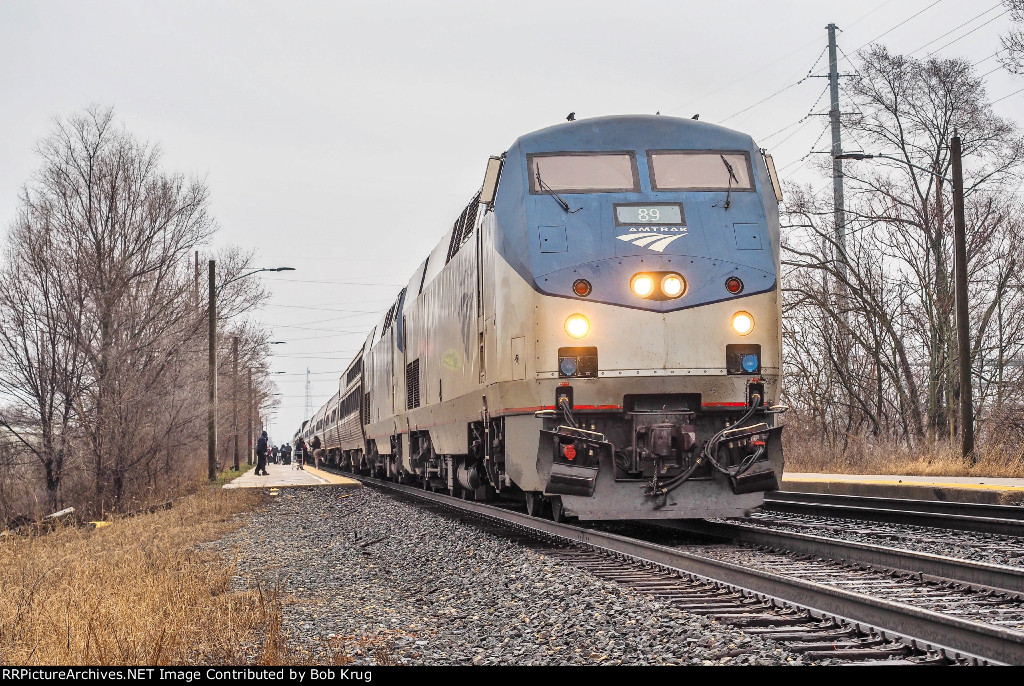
<point>652,236</point>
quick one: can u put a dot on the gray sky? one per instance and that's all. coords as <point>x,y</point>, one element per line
<point>343,138</point>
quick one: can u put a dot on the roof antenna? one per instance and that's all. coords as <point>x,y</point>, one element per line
<point>571,117</point>
<point>696,116</point>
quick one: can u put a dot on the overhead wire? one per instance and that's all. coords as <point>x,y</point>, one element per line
<point>960,38</point>
<point>1007,96</point>
<point>802,122</point>
<point>778,92</point>
<point>768,64</point>
<point>888,31</point>
<point>957,28</point>
<point>786,88</point>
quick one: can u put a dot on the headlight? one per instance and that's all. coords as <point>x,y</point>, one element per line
<point>742,323</point>
<point>673,285</point>
<point>642,284</point>
<point>577,326</point>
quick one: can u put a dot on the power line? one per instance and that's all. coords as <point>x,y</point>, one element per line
<point>340,371</point>
<point>957,28</point>
<point>802,120</point>
<point>887,32</point>
<point>966,34</point>
<point>1007,96</point>
<point>344,283</point>
<point>324,308</point>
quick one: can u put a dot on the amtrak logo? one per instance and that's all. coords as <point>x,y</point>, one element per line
<point>652,238</point>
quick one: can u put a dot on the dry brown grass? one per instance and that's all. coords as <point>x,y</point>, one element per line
<point>140,591</point>
<point>806,452</point>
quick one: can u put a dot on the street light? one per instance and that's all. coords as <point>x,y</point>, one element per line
<point>211,437</point>
<point>960,278</point>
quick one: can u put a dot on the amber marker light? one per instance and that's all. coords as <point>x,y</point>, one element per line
<point>581,287</point>
<point>742,323</point>
<point>577,326</point>
<point>673,286</point>
<point>642,285</point>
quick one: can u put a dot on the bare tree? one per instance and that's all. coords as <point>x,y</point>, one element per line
<point>1013,42</point>
<point>896,376</point>
<point>41,362</point>
<point>102,326</point>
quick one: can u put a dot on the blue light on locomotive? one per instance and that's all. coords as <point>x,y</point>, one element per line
<point>750,363</point>
<point>568,366</point>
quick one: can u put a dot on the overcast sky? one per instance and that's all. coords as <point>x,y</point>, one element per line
<point>344,138</point>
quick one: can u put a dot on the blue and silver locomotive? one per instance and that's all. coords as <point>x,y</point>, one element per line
<point>598,333</point>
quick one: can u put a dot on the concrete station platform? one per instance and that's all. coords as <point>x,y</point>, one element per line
<point>281,476</point>
<point>962,489</point>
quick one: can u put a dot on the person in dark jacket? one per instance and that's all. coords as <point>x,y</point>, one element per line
<point>317,453</point>
<point>286,454</point>
<point>273,454</point>
<point>261,454</point>
<point>300,452</point>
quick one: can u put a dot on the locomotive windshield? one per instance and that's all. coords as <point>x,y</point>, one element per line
<point>679,170</point>
<point>583,172</point>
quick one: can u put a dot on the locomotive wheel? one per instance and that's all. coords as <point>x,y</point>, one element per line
<point>557,511</point>
<point>534,503</point>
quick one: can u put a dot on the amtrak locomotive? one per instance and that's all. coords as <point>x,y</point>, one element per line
<point>598,334</point>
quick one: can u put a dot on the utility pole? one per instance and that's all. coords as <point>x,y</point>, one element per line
<point>309,396</point>
<point>234,396</point>
<point>211,435</point>
<point>837,149</point>
<point>963,324</point>
<point>251,412</point>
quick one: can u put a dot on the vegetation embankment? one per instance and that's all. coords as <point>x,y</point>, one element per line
<point>140,591</point>
<point>807,452</point>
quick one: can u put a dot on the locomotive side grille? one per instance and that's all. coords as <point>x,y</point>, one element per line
<point>412,385</point>
<point>366,409</point>
<point>463,227</point>
<point>389,317</point>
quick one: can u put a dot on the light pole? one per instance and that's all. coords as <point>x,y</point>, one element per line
<point>960,279</point>
<point>211,423</point>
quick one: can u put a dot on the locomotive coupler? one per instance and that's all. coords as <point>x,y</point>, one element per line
<point>662,441</point>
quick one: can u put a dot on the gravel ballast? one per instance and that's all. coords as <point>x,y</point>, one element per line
<point>369,579</point>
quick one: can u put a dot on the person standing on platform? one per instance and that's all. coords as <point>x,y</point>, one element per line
<point>286,454</point>
<point>300,452</point>
<point>273,454</point>
<point>261,454</point>
<point>315,447</point>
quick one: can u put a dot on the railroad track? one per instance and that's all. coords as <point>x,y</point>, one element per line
<point>1005,520</point>
<point>824,608</point>
<point>938,568</point>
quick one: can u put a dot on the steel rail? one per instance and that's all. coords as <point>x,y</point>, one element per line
<point>1000,578</point>
<point>1004,520</point>
<point>913,625</point>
